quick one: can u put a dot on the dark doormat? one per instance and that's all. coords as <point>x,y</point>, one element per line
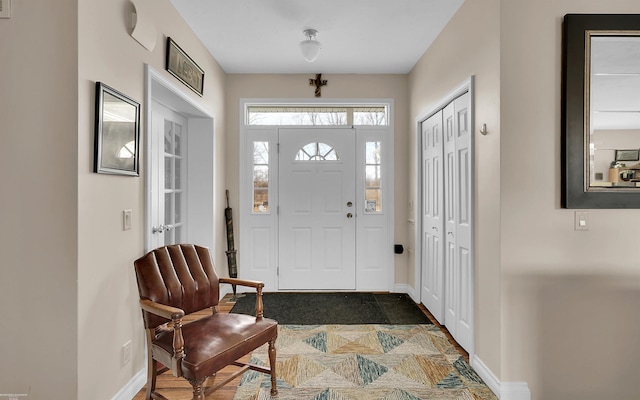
<point>335,308</point>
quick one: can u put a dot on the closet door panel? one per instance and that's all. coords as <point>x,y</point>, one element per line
<point>432,263</point>
<point>463,285</point>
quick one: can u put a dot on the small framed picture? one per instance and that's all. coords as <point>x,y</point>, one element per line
<point>627,155</point>
<point>180,65</point>
<point>117,133</point>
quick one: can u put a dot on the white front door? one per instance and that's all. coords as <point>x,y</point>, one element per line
<point>433,216</point>
<point>167,176</point>
<point>317,209</point>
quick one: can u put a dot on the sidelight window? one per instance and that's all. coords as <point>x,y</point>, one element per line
<point>373,177</point>
<point>260,177</point>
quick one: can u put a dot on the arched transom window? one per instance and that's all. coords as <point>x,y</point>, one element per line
<point>317,152</point>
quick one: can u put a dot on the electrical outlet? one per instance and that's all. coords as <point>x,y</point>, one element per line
<point>126,220</point>
<point>5,8</point>
<point>126,353</point>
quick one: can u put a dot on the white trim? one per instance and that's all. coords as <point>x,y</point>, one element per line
<point>466,86</point>
<point>400,288</point>
<point>244,162</point>
<point>504,390</point>
<point>158,87</point>
<point>515,391</point>
<point>410,291</point>
<point>324,100</point>
<point>132,387</point>
<point>486,374</point>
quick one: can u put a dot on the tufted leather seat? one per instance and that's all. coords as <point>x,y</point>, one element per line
<point>179,280</point>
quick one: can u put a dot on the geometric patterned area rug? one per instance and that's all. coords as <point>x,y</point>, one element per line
<point>364,362</point>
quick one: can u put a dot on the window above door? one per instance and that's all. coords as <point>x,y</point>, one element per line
<point>316,115</point>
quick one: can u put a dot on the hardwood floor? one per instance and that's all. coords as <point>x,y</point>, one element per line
<point>179,389</point>
<point>455,344</point>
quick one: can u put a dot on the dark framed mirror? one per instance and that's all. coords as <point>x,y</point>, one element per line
<point>117,133</point>
<point>601,111</point>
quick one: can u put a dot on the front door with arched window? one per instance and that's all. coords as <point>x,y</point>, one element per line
<point>317,192</point>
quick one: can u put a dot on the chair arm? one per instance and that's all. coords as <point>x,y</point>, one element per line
<point>162,310</point>
<point>242,282</point>
<point>254,284</point>
<point>175,315</point>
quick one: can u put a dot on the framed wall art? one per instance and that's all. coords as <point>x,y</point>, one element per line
<point>180,65</point>
<point>628,155</point>
<point>117,133</point>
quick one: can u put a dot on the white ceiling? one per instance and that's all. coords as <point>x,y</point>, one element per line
<point>357,36</point>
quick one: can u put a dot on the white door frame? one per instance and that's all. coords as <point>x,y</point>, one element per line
<point>200,180</point>
<point>466,86</point>
<point>267,268</point>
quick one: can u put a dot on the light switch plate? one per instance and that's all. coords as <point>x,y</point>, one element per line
<point>126,220</point>
<point>581,221</point>
<point>5,8</point>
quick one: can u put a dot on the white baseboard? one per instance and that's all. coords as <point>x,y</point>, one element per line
<point>400,288</point>
<point>486,374</point>
<point>504,390</point>
<point>515,391</point>
<point>410,291</point>
<point>132,388</point>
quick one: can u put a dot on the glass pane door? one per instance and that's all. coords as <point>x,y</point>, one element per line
<point>174,182</point>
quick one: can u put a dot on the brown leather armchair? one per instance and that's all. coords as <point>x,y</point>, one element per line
<point>178,280</point>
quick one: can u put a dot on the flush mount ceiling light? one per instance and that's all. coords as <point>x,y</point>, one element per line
<point>310,47</point>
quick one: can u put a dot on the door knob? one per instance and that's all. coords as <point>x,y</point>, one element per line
<point>349,215</point>
<point>349,204</point>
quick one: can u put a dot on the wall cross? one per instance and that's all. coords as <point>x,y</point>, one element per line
<point>318,82</point>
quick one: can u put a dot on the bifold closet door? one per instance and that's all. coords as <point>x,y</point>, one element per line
<point>447,222</point>
<point>458,220</point>
<point>432,285</point>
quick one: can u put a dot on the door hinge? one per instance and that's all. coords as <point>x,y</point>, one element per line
<point>278,272</point>
<point>278,148</point>
<point>278,209</point>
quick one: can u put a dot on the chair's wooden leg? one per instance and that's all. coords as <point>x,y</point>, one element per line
<point>151,378</point>
<point>272,365</point>
<point>198,391</point>
<point>152,369</point>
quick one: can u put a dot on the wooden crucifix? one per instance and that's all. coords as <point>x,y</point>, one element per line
<point>318,82</point>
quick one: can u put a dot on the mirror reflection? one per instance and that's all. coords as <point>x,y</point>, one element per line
<point>613,92</point>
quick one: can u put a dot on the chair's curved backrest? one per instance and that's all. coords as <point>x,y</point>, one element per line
<point>180,275</point>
